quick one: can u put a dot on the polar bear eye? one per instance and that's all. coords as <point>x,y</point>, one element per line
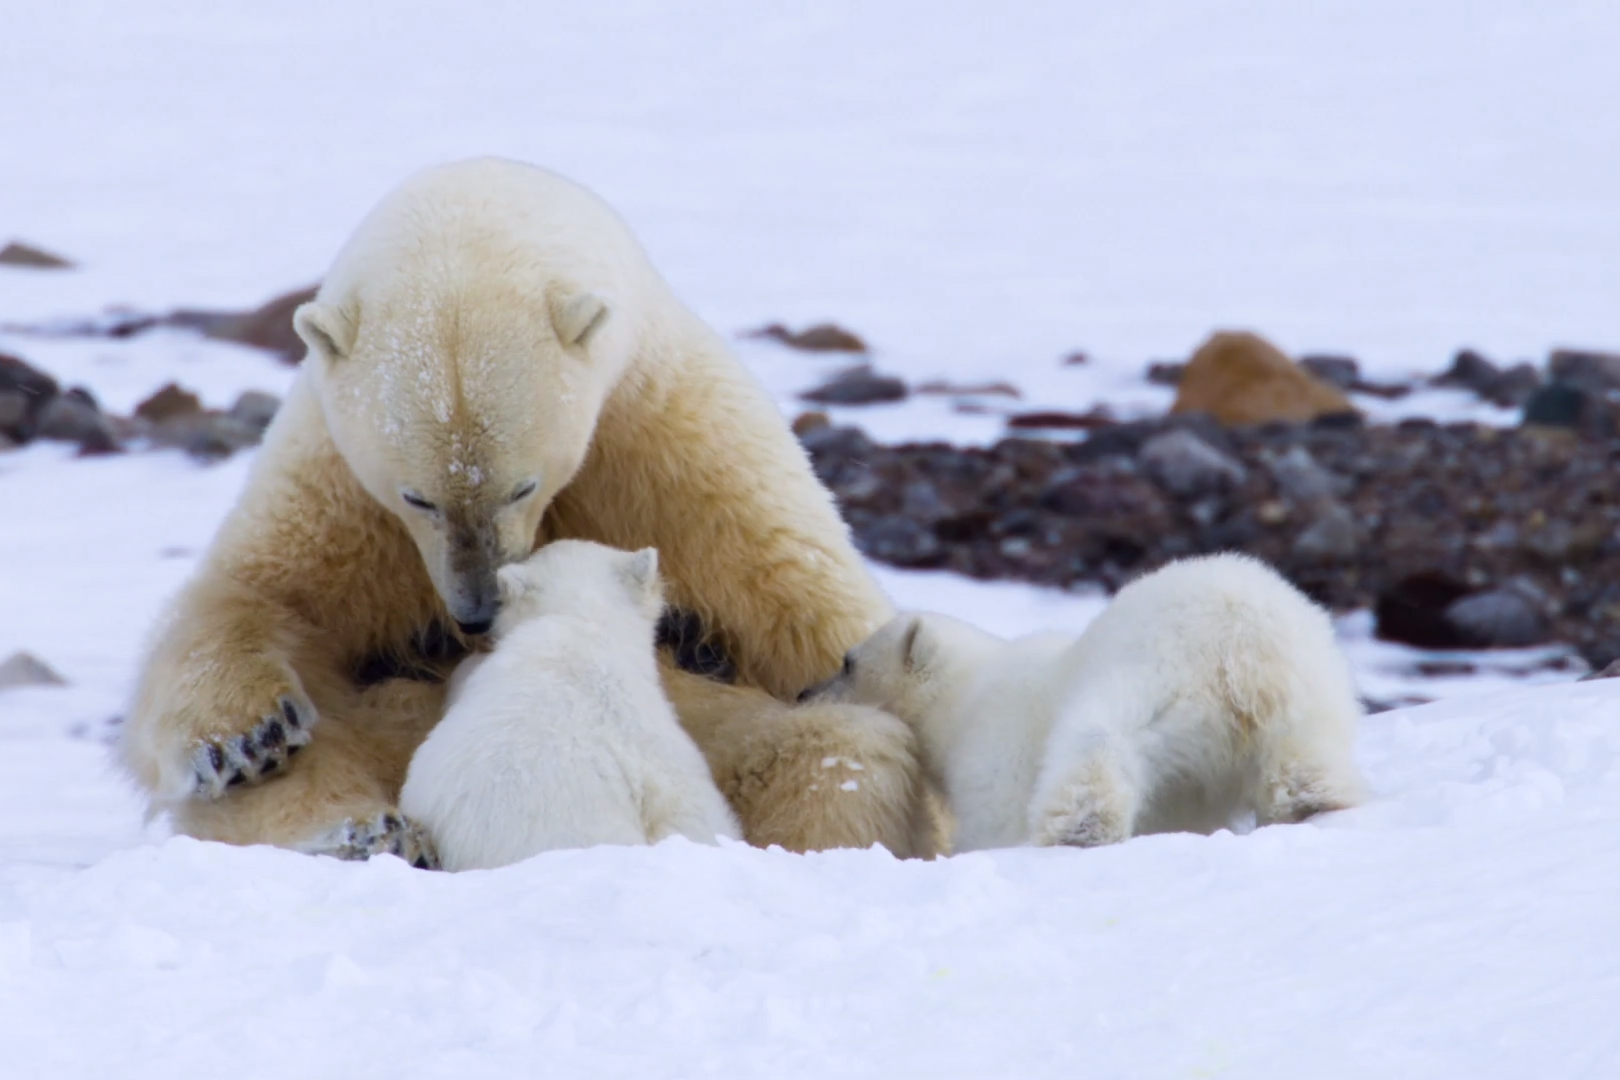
<point>413,499</point>
<point>849,664</point>
<point>524,490</point>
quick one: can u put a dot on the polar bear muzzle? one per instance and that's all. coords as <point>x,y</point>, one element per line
<point>468,588</point>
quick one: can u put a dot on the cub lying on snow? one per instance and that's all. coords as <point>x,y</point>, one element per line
<point>562,737</point>
<point>1207,690</point>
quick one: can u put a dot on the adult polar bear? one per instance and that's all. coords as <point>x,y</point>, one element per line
<point>493,363</point>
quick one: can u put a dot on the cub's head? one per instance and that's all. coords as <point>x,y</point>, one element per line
<point>904,668</point>
<point>577,577</point>
<point>463,411</point>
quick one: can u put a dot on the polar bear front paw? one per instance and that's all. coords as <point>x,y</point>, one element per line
<point>220,763</point>
<point>387,833</point>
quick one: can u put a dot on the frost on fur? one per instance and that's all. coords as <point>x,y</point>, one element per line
<point>1208,690</point>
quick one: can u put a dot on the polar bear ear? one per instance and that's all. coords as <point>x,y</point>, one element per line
<point>325,329</point>
<point>916,645</point>
<point>577,318</point>
<point>640,570</point>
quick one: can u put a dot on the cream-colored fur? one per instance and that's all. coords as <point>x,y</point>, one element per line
<point>489,327</point>
<point>562,737</point>
<point>1206,691</point>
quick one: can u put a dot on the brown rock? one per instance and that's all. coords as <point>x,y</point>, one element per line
<point>806,422</point>
<point>1051,420</point>
<point>986,389</point>
<point>823,337</point>
<point>1240,378</point>
<point>267,327</point>
<point>17,253</point>
<point>167,404</point>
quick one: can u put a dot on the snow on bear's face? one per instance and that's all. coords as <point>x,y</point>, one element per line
<point>463,416</point>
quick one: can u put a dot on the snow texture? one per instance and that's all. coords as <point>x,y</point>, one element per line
<point>978,190</point>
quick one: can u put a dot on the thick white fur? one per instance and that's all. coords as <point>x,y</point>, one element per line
<point>1208,690</point>
<point>562,737</point>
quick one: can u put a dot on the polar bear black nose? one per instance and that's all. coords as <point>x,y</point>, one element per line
<point>472,629</point>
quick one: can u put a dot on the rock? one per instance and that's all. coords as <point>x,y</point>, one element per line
<point>857,386</point>
<point>268,326</point>
<point>823,337</point>
<point>1333,536</point>
<point>24,393</point>
<point>1505,617</point>
<point>24,669</point>
<point>1165,372</point>
<point>1340,371</point>
<point>169,402</point>
<point>1240,379</point>
<point>1568,405</point>
<point>75,417</point>
<point>207,436</point>
<point>900,541</point>
<point>835,443</point>
<point>1300,479</point>
<point>987,389</point>
<point>806,422</point>
<point>1188,466</point>
<point>1049,420</point>
<point>1609,672</point>
<point>1075,359</point>
<point>20,254</point>
<point>255,408</point>
<point>1413,611</point>
<point>1471,371</point>
<point>1592,370</point>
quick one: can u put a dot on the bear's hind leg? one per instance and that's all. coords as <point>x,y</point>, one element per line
<point>1087,799</point>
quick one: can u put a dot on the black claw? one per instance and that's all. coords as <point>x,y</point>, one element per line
<point>294,748</point>
<point>274,734</point>
<point>291,713</point>
<point>391,824</point>
<point>421,863</point>
<point>216,757</point>
<point>237,779</point>
<point>270,765</point>
<point>245,747</point>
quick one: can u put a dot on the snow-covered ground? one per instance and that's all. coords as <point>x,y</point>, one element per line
<point>978,190</point>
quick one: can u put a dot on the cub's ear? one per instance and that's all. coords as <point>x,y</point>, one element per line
<point>325,329</point>
<point>640,573</point>
<point>916,644</point>
<point>577,318</point>
<point>512,582</point>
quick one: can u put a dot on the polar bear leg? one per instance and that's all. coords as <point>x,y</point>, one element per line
<point>338,797</point>
<point>1088,797</point>
<point>807,777</point>
<point>1301,779</point>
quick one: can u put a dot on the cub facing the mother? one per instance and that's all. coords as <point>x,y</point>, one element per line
<point>494,364</point>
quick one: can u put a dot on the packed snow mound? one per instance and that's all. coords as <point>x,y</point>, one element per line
<point>1459,924</point>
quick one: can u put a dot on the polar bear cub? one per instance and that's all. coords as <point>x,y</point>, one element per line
<point>1206,691</point>
<point>562,736</point>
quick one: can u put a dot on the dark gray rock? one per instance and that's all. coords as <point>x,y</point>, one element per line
<point>900,541</point>
<point>30,257</point>
<point>207,436</point>
<point>1568,405</point>
<point>1333,536</point>
<point>1583,367</point>
<point>24,669</point>
<point>1469,371</point>
<point>255,408</point>
<point>1515,386</point>
<point>1188,466</point>
<point>1497,618</point>
<point>857,386</point>
<point>1611,671</point>
<point>1301,479</point>
<point>24,393</point>
<point>74,417</point>
<point>1340,371</point>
